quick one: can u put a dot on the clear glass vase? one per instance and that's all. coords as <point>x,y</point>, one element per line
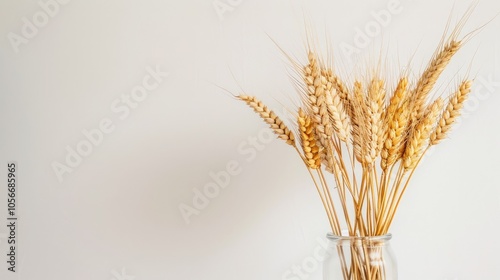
<point>359,258</point>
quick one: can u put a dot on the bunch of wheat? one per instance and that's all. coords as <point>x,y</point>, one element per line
<point>345,128</point>
<point>369,137</point>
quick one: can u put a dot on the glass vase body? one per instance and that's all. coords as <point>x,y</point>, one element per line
<point>359,258</point>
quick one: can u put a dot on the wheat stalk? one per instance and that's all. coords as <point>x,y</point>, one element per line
<point>338,116</point>
<point>397,99</point>
<point>432,73</point>
<point>359,123</point>
<point>420,135</point>
<point>395,137</point>
<point>308,140</point>
<point>451,112</point>
<point>276,124</point>
<point>341,90</point>
<point>374,107</point>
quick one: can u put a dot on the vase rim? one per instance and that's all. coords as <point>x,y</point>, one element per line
<point>385,237</point>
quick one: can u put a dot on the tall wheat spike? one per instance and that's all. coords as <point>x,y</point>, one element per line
<point>338,116</point>
<point>420,135</point>
<point>374,107</point>
<point>451,112</point>
<point>359,123</point>
<point>395,137</point>
<point>432,73</point>
<point>308,140</point>
<point>276,124</point>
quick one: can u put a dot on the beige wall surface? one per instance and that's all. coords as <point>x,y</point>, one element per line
<point>134,162</point>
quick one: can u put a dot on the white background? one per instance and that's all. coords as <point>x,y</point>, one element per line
<point>116,215</point>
